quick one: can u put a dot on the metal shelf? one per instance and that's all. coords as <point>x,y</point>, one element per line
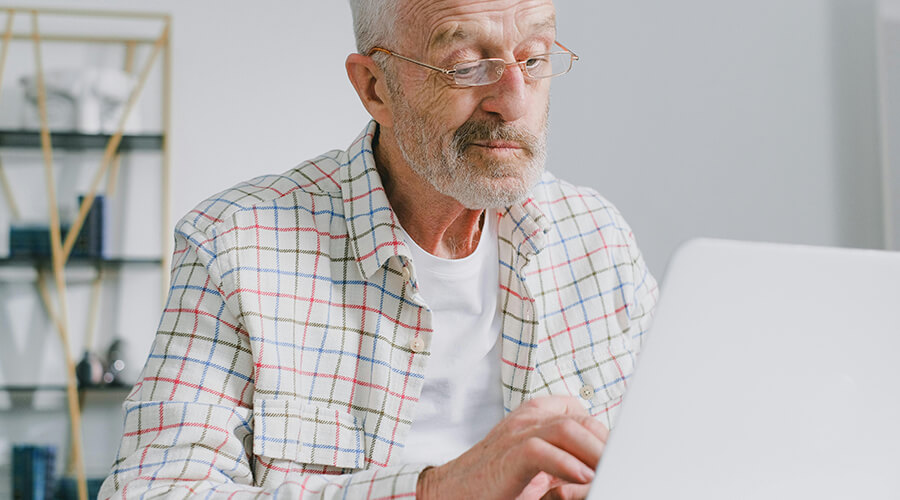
<point>44,262</point>
<point>77,141</point>
<point>51,397</point>
<point>62,388</point>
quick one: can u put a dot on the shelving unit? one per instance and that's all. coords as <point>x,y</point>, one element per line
<point>112,146</point>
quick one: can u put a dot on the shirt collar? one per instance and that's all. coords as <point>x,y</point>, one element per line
<point>526,226</point>
<point>372,227</point>
<point>374,231</point>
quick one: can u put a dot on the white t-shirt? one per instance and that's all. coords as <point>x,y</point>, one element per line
<point>461,399</point>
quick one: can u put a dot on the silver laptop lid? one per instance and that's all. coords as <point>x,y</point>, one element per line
<point>771,371</point>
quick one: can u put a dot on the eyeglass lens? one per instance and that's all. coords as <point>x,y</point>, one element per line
<point>487,71</point>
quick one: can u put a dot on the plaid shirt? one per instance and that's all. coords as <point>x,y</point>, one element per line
<point>291,351</point>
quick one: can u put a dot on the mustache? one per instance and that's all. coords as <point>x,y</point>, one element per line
<point>472,131</point>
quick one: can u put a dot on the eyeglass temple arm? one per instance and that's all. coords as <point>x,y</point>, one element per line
<point>567,50</point>
<point>386,51</point>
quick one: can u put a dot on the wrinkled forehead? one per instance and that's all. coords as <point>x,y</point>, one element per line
<point>428,25</point>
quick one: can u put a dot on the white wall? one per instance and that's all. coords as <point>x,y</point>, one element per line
<point>752,119</point>
<point>740,119</point>
<point>889,91</point>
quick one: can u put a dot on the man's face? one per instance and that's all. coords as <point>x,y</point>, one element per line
<point>483,146</point>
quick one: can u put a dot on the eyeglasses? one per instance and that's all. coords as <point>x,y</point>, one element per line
<point>488,71</point>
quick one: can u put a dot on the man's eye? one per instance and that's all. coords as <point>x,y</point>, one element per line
<point>536,62</point>
<point>468,67</point>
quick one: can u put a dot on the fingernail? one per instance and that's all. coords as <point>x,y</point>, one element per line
<point>587,474</point>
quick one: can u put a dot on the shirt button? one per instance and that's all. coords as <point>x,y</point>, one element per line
<point>528,314</point>
<point>586,392</point>
<point>417,345</point>
<point>405,273</point>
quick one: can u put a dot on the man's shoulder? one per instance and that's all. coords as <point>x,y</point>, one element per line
<point>561,200</point>
<point>318,177</point>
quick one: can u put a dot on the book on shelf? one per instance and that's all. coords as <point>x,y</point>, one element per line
<point>33,472</point>
<point>34,240</point>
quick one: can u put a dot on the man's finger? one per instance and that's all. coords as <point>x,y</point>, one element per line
<point>596,428</point>
<point>573,436</point>
<point>537,455</point>
<point>558,405</point>
<point>568,491</point>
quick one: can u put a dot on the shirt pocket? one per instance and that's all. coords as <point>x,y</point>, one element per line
<point>308,434</point>
<point>598,377</point>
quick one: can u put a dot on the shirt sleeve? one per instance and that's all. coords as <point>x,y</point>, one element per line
<point>189,422</point>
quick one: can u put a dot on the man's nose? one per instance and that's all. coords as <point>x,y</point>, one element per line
<point>508,97</point>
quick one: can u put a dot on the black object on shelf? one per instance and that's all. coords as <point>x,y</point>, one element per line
<point>89,370</point>
<point>79,141</point>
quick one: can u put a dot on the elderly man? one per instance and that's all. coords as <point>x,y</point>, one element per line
<point>424,314</point>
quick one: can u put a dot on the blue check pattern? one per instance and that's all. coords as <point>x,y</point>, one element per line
<point>283,366</point>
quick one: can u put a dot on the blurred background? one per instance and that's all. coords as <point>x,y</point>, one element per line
<point>759,120</point>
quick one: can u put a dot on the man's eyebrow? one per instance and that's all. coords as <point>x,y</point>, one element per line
<point>457,33</point>
<point>446,36</point>
<point>547,24</point>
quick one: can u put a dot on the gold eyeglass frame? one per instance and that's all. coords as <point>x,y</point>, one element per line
<point>450,73</point>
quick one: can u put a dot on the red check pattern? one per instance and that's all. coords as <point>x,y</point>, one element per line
<point>282,366</point>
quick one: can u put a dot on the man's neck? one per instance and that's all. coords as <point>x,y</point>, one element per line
<point>439,224</point>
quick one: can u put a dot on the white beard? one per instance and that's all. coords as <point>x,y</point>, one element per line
<point>450,166</point>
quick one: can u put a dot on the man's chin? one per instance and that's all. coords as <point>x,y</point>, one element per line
<point>484,192</point>
<point>498,162</point>
<point>497,154</point>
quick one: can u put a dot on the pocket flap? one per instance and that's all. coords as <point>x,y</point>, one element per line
<point>603,373</point>
<point>309,434</point>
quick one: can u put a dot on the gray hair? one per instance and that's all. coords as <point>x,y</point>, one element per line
<point>373,22</point>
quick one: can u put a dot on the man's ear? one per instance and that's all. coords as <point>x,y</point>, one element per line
<point>368,80</point>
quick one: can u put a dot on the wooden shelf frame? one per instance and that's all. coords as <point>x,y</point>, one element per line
<point>61,249</point>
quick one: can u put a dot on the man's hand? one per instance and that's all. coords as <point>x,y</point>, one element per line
<point>548,447</point>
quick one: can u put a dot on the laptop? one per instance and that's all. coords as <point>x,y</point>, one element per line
<point>770,372</point>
